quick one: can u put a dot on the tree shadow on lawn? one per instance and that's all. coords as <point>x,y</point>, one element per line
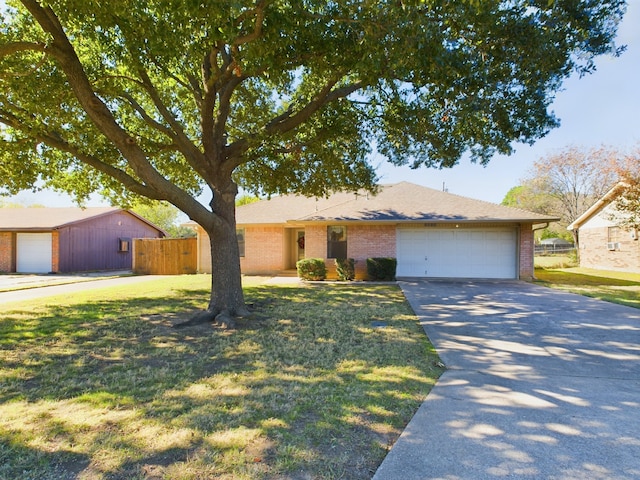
<point>306,384</point>
<point>18,460</point>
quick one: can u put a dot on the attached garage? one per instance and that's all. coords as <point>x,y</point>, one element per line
<point>457,252</point>
<point>34,252</point>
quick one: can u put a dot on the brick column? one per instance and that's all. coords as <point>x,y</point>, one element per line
<point>526,249</point>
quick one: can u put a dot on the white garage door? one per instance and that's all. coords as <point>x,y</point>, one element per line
<point>457,253</point>
<point>33,252</point>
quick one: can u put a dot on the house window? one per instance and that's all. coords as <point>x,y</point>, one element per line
<point>336,242</point>
<point>240,238</point>
<point>124,244</point>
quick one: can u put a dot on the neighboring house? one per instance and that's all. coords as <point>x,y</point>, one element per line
<point>431,233</point>
<point>603,243</point>
<point>43,240</point>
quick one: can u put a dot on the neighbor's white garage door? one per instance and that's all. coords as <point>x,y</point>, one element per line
<point>33,252</point>
<point>457,253</point>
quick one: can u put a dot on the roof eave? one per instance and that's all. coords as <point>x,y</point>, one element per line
<point>27,229</point>
<point>606,199</point>
<point>451,221</point>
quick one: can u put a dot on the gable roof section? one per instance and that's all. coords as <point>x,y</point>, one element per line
<point>24,219</point>
<point>597,207</point>
<point>397,203</point>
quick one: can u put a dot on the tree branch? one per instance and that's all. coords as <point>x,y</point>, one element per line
<point>257,30</point>
<point>146,117</point>
<point>17,47</point>
<point>188,149</point>
<point>62,50</point>
<point>196,89</point>
<point>287,122</point>
<point>55,140</point>
<point>224,105</point>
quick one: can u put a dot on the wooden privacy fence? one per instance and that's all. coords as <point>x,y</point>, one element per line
<point>165,256</point>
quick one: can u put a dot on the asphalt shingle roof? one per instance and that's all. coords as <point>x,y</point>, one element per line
<point>400,202</point>
<point>47,218</point>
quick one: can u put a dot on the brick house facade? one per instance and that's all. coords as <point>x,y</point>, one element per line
<point>603,243</point>
<point>597,252</point>
<point>270,230</point>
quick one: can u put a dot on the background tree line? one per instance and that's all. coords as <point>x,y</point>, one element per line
<point>567,182</point>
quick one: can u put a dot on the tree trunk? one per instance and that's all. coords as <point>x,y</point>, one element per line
<point>226,281</point>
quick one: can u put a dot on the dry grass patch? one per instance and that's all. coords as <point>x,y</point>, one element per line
<point>103,387</point>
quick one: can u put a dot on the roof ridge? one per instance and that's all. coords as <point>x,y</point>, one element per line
<point>333,205</point>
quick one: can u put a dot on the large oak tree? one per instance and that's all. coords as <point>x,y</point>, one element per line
<point>167,98</point>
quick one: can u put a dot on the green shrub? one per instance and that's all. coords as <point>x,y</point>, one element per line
<point>381,269</point>
<point>346,269</point>
<point>311,269</point>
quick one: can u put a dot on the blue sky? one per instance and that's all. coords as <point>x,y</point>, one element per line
<point>602,108</point>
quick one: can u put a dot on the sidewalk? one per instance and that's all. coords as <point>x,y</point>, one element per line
<point>16,281</point>
<point>17,288</point>
<point>80,284</point>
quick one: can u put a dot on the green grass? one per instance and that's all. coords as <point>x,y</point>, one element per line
<point>615,287</point>
<point>101,386</point>
<point>554,261</point>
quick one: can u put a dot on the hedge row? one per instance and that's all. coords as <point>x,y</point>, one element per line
<point>378,269</point>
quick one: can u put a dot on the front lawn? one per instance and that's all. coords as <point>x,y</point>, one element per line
<point>616,287</point>
<point>101,386</point>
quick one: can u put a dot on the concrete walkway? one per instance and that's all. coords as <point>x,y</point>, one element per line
<point>70,287</point>
<point>540,385</point>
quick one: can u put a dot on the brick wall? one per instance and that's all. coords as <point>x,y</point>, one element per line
<point>315,240</point>
<point>6,252</point>
<point>264,250</point>
<point>595,254</point>
<point>55,251</point>
<point>369,241</point>
<point>526,250</point>
<point>363,241</point>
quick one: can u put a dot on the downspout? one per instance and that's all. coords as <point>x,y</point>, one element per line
<point>545,225</point>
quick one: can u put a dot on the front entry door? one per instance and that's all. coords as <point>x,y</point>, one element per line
<point>299,244</point>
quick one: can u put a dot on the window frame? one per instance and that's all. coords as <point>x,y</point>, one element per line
<point>124,245</point>
<point>241,238</point>
<point>337,249</point>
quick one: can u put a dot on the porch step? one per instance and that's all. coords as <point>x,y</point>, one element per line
<point>288,273</point>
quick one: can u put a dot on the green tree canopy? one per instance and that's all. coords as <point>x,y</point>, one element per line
<point>628,202</point>
<point>165,216</point>
<point>166,99</point>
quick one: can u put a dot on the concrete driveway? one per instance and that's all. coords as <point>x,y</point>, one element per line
<point>540,385</point>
